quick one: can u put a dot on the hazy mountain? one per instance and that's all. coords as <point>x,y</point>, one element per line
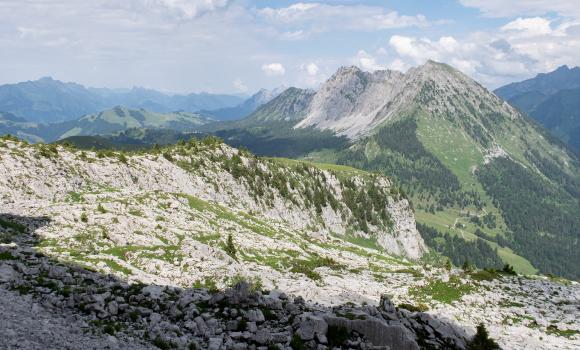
<point>247,107</point>
<point>47,100</point>
<point>552,99</point>
<point>476,168</point>
<point>110,121</point>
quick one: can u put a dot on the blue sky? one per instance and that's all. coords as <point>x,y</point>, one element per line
<point>239,46</point>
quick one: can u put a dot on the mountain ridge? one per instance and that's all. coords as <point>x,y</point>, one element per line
<point>48,100</point>
<point>552,100</point>
<point>448,141</point>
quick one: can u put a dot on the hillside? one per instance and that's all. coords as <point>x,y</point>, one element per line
<point>245,108</point>
<point>451,143</point>
<point>552,99</point>
<point>50,101</point>
<point>206,215</point>
<point>106,122</point>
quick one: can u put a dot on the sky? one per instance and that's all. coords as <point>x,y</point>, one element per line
<point>240,46</point>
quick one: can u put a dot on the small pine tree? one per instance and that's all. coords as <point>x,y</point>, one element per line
<point>230,247</point>
<point>482,341</point>
<point>467,266</point>
<point>448,264</point>
<point>509,269</point>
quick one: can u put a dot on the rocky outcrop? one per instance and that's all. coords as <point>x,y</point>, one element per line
<point>165,317</point>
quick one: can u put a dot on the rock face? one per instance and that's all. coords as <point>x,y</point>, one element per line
<point>353,102</point>
<point>166,217</point>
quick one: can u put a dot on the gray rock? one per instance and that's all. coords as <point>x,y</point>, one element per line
<point>262,337</point>
<point>311,325</point>
<point>378,332</point>
<point>7,273</point>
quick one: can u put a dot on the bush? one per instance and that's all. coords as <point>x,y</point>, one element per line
<point>337,336</point>
<point>121,157</point>
<point>421,307</point>
<point>508,269</point>
<point>230,248</point>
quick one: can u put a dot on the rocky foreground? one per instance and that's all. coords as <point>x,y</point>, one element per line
<point>47,305</point>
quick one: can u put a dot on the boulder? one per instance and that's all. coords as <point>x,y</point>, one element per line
<point>310,326</point>
<point>377,332</point>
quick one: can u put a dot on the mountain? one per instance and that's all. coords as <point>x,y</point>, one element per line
<point>110,121</point>
<point>135,247</point>
<point>545,84</point>
<point>47,100</point>
<point>247,107</point>
<point>476,169</point>
<point>552,99</point>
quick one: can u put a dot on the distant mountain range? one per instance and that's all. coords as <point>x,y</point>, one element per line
<point>552,99</point>
<point>48,101</point>
<point>247,107</point>
<point>111,121</point>
<point>476,168</point>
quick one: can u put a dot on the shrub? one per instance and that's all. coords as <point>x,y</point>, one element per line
<point>230,248</point>
<point>421,307</point>
<point>84,217</point>
<point>296,343</point>
<point>101,209</point>
<point>167,156</point>
<point>121,157</point>
<point>508,269</point>
<point>337,336</point>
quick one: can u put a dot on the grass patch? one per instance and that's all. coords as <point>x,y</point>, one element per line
<point>444,292</point>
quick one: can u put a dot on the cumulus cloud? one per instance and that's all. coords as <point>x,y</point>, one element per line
<point>517,50</point>
<point>185,9</point>
<point>311,68</point>
<point>529,26</point>
<point>367,61</point>
<point>273,69</point>
<point>319,17</point>
<point>503,8</point>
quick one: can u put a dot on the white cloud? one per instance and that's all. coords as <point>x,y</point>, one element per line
<point>319,17</point>
<point>510,8</point>
<point>529,26</point>
<point>311,68</point>
<point>366,61</point>
<point>273,69</point>
<point>517,50</point>
<point>239,85</point>
<point>188,9</point>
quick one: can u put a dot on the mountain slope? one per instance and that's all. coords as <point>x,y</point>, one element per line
<point>110,121</point>
<point>151,225</point>
<point>48,101</point>
<point>450,142</point>
<point>552,99</point>
<point>247,107</point>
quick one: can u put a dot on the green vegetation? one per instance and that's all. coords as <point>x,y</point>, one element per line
<point>420,307</point>
<point>230,248</point>
<point>445,292</point>
<point>543,218</point>
<point>459,250</point>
